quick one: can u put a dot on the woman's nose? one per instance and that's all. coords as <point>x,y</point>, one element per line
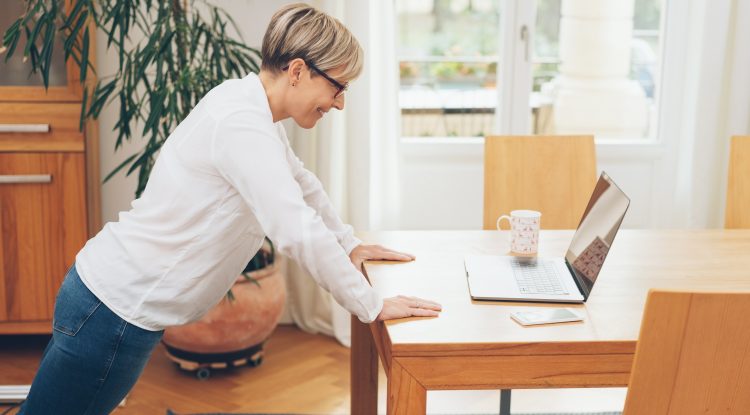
<point>338,102</point>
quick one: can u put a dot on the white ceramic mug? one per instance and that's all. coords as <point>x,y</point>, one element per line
<point>524,230</point>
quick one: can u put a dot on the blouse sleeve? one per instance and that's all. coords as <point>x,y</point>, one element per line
<point>316,197</point>
<point>252,158</point>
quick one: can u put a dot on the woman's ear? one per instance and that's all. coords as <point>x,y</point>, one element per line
<point>295,70</point>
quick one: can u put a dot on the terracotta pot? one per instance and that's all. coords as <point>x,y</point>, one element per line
<point>238,324</point>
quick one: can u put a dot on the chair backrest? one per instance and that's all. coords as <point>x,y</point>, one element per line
<point>693,355</point>
<point>737,214</point>
<point>552,174</point>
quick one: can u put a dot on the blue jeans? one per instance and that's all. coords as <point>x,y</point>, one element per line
<point>93,359</point>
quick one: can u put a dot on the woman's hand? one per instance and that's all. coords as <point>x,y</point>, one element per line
<point>376,253</point>
<point>394,307</point>
<point>403,306</point>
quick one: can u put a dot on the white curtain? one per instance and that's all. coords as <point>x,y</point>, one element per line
<point>354,153</point>
<point>715,105</point>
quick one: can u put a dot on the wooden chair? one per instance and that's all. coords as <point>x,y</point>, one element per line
<point>737,215</point>
<point>693,355</point>
<point>552,174</point>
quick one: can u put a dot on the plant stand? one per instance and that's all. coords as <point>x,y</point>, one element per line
<point>203,363</point>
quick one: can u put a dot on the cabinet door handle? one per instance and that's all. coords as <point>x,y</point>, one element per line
<point>24,128</point>
<point>25,178</point>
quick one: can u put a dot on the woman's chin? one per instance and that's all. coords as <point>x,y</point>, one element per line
<point>307,123</point>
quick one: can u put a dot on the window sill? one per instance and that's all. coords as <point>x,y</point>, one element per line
<point>637,148</point>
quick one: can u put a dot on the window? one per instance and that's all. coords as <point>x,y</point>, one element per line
<point>448,56</point>
<point>593,67</point>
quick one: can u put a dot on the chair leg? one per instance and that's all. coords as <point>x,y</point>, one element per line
<point>505,402</point>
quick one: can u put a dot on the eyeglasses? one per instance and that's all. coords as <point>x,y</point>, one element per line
<point>340,88</point>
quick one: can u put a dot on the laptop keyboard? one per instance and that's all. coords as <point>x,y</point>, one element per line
<point>538,277</point>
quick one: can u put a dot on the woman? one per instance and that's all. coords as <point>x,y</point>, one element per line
<point>225,178</point>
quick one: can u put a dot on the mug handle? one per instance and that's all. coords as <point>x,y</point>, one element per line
<point>497,224</point>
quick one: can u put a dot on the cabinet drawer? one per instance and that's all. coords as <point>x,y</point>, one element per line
<point>43,223</point>
<point>40,127</point>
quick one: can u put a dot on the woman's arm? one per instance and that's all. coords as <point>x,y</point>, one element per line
<point>248,154</point>
<point>316,197</point>
<point>250,157</point>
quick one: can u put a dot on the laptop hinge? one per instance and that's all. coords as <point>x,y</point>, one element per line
<point>580,286</point>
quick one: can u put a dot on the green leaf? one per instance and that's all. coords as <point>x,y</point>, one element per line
<point>157,100</point>
<point>32,11</point>
<point>32,51</point>
<point>73,13</point>
<point>120,167</point>
<point>11,37</point>
<point>101,95</point>
<point>72,37</point>
<point>14,27</point>
<point>166,42</point>
<point>85,56</point>
<point>31,36</point>
<point>82,119</point>
<point>49,46</point>
<point>12,32</point>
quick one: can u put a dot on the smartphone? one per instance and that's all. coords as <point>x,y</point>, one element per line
<point>545,316</point>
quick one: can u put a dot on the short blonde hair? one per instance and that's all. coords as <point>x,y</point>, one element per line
<point>302,31</point>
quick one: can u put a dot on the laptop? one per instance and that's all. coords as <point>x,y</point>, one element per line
<point>552,279</point>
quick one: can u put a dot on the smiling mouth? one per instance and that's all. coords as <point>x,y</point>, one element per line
<point>321,112</point>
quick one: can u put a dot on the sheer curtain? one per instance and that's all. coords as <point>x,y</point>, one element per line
<point>713,96</point>
<point>354,153</point>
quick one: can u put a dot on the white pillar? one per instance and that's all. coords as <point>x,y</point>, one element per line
<point>593,94</point>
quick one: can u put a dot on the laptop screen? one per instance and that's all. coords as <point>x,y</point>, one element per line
<point>596,232</point>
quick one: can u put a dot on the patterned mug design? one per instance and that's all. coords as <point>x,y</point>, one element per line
<point>524,230</point>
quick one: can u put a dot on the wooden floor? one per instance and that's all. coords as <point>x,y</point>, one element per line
<point>301,373</point>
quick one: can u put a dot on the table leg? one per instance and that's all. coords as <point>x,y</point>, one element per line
<point>363,370</point>
<point>406,396</point>
<point>504,401</point>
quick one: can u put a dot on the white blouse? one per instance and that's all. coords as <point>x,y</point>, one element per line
<point>224,179</point>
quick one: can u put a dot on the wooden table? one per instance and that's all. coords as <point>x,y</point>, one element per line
<point>475,344</point>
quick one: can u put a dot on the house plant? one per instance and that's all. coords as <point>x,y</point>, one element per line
<point>234,331</point>
<point>169,55</point>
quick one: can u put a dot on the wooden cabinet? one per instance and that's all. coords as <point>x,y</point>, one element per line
<point>43,222</point>
<point>49,187</point>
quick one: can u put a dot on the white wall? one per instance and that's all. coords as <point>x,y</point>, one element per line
<point>443,179</point>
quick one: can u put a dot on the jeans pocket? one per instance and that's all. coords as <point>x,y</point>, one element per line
<point>74,305</point>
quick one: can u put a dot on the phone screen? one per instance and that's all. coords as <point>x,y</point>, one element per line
<point>550,315</point>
